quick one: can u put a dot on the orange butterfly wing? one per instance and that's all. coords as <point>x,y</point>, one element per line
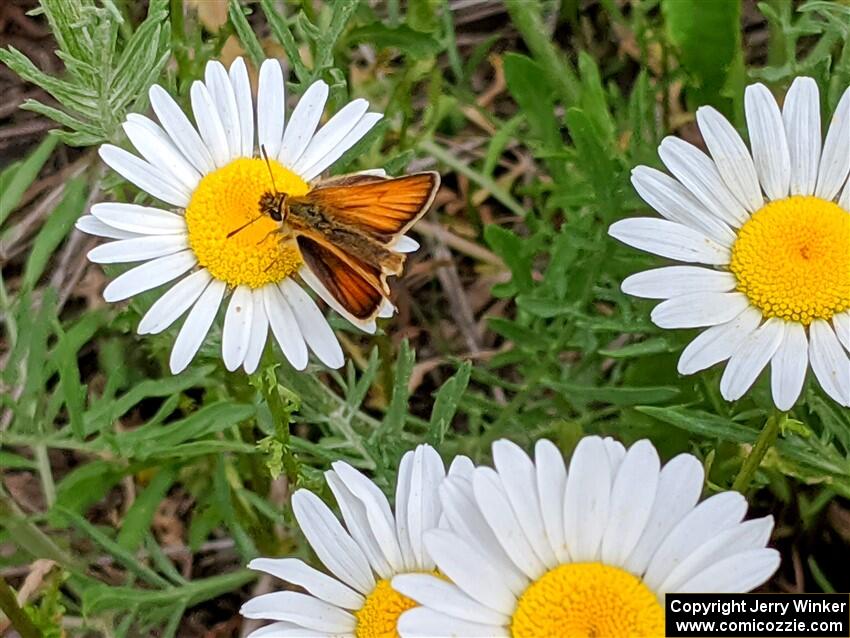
<point>357,286</point>
<point>382,208</point>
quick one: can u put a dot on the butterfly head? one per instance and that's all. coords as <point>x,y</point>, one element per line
<point>273,204</point>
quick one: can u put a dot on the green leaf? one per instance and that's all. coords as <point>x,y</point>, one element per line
<point>118,552</point>
<point>615,396</point>
<point>280,30</point>
<point>414,43</point>
<point>150,440</point>
<point>245,32</point>
<point>708,37</point>
<point>137,520</point>
<point>59,223</point>
<point>656,345</point>
<point>512,249</point>
<point>100,598</point>
<point>24,176</point>
<point>446,402</point>
<point>532,90</point>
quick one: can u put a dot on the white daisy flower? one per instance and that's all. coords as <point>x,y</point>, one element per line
<point>534,551</point>
<point>214,178</point>
<point>358,599</point>
<point>773,226</point>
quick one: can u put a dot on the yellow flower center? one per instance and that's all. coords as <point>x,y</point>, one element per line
<point>792,259</point>
<point>228,199</point>
<point>584,600</point>
<point>378,618</point>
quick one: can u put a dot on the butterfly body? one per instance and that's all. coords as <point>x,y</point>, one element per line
<point>345,229</point>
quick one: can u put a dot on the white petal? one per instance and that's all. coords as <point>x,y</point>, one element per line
<point>245,105</point>
<point>93,226</point>
<point>259,333</point>
<point>334,547</point>
<point>676,203</point>
<point>320,585</point>
<point>844,199</point>
<point>736,574</point>
<point>290,630</point>
<point>669,239</point>
<point>829,362</point>
<point>587,499</point>
<point>357,522</point>
<point>748,535</point>
<point>302,124</point>
<point>835,160</point>
<point>313,325</point>
<point>751,357</point>
<point>221,91</point>
<point>679,489</point>
<point>616,453</point>
<point>319,288</point>
<point>421,622</point>
<point>551,483</point>
<point>699,309</point>
<point>673,281</point>
<point>719,342</point>
<point>700,176</point>
<point>731,157</point>
<point>302,609</point>
<point>445,598</point>
<point>378,511</point>
<point>174,302</point>
<point>418,505</point>
<point>139,219</point>
<point>518,478</point>
<point>768,141</point>
<point>236,334</point>
<point>386,309</point>
<point>363,126</point>
<point>197,325</point>
<point>158,149</point>
<point>801,116</point>
<point>137,249</point>
<point>466,520</point>
<point>702,523</point>
<point>470,570</point>
<point>331,134</point>
<point>405,244</point>
<point>496,508</point>
<point>209,123</point>
<point>271,105</point>
<point>788,366</point>
<point>461,466</point>
<point>180,130</point>
<point>285,327</point>
<point>402,497</point>
<point>145,176</point>
<point>632,497</point>
<point>149,275</point>
<point>841,324</point>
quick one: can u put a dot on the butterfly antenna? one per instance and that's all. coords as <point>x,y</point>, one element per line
<point>269,164</point>
<point>243,226</point>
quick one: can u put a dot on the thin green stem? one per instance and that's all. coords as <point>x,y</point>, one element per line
<point>766,439</point>
<point>19,618</point>
<point>498,193</point>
